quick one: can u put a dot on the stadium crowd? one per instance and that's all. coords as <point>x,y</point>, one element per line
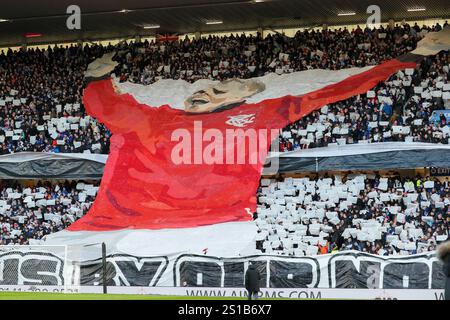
<point>40,99</point>
<point>31,212</point>
<point>408,107</point>
<point>41,90</point>
<point>383,215</point>
<point>41,110</point>
<point>220,58</point>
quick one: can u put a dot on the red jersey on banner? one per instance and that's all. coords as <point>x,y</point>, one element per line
<point>145,187</point>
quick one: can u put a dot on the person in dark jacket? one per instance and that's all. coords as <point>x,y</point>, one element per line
<point>252,279</point>
<point>443,253</point>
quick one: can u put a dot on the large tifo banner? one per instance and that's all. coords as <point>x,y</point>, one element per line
<point>186,159</point>
<point>341,275</point>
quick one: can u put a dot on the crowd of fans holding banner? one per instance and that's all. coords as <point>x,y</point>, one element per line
<point>383,215</point>
<point>220,58</point>
<point>41,110</point>
<point>31,212</point>
<point>41,90</point>
<point>408,108</point>
<point>40,102</point>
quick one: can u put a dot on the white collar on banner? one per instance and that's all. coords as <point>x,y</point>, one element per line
<point>175,92</point>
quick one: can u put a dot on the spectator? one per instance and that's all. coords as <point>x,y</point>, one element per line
<point>365,212</point>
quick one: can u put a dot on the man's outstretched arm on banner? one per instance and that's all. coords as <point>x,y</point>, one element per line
<point>103,100</point>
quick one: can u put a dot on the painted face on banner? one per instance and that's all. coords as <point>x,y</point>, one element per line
<point>225,95</point>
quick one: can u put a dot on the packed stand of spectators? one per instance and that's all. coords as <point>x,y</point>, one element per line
<point>23,128</point>
<point>40,102</point>
<point>31,212</point>
<point>389,215</point>
<point>407,108</point>
<point>41,90</point>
